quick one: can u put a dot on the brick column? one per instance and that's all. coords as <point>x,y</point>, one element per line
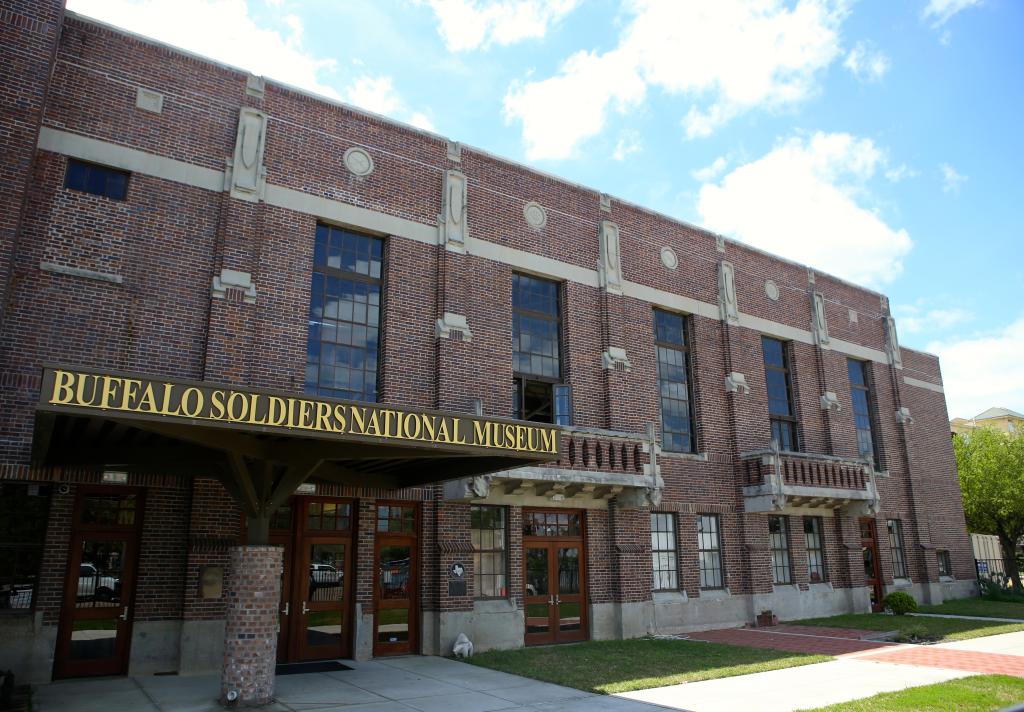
<point>250,634</point>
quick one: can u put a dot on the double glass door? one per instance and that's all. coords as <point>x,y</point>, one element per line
<point>555,596</point>
<point>316,580</point>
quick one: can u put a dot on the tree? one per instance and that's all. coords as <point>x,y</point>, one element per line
<point>991,465</point>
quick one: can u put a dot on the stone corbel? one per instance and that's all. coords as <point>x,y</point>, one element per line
<point>614,358</point>
<point>452,220</point>
<point>233,279</point>
<point>248,179</point>
<point>639,498</point>
<point>819,325</point>
<point>736,382</point>
<point>903,416</point>
<point>892,343</point>
<point>727,305</point>
<point>450,323</point>
<point>830,401</point>
<point>611,263</point>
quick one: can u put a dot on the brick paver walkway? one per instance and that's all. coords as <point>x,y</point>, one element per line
<point>847,642</point>
<point>794,639</point>
<point>951,658</point>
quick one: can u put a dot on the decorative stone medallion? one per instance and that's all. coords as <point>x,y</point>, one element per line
<point>771,290</point>
<point>535,215</point>
<point>669,258</point>
<point>358,161</point>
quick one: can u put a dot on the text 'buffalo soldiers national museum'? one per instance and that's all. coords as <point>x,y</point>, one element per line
<point>285,381</point>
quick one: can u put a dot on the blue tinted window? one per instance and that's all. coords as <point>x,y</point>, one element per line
<point>674,388</point>
<point>780,397</point>
<point>98,180</point>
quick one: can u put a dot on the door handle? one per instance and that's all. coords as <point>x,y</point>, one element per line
<point>305,609</point>
<point>124,614</point>
<point>551,600</point>
<point>286,606</point>
<point>557,599</point>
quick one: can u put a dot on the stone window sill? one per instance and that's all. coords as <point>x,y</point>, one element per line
<point>902,583</point>
<point>715,593</point>
<point>493,605</point>
<point>670,597</point>
<point>692,456</point>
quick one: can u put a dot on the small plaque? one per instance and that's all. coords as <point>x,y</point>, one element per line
<point>457,587</point>
<point>211,582</point>
<point>457,570</point>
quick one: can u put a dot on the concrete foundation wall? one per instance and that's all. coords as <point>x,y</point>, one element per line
<point>27,648</point>
<point>491,625</point>
<point>156,647</point>
<point>202,647</point>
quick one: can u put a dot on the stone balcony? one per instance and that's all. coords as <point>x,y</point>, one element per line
<point>802,483</point>
<point>596,467</point>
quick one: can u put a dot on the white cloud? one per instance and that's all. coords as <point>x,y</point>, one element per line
<point>901,172</point>
<point>710,172</point>
<point>940,11</point>
<point>983,371</point>
<point>915,320</point>
<point>728,57</point>
<point>802,200</point>
<point>376,94</point>
<point>951,180</point>
<point>421,121</point>
<point>221,30</point>
<point>867,63</point>
<point>628,144</point>
<point>470,24</point>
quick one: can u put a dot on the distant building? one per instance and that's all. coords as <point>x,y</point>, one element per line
<point>1002,419</point>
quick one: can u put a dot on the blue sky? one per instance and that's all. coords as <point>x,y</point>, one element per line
<point>878,141</point>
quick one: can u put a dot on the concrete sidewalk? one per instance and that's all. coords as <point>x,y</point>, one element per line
<point>854,675</point>
<point>426,684</point>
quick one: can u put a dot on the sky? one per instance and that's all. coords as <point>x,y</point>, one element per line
<point>878,141</point>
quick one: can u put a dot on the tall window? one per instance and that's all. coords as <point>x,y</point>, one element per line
<point>815,550</point>
<point>945,565</point>
<point>489,534</point>
<point>344,315</point>
<point>24,509</point>
<point>537,392</point>
<point>780,395</point>
<point>664,559</point>
<point>709,551</point>
<point>899,558</point>
<point>778,536</point>
<point>674,382</point>
<point>860,395</point>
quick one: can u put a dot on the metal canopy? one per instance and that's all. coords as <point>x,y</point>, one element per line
<point>264,444</point>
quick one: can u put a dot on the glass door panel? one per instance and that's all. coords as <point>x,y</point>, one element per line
<point>569,595</point>
<point>96,626</point>
<point>325,604</point>
<point>395,615</point>
<point>539,599</point>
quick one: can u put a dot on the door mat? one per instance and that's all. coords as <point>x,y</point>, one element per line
<point>316,666</point>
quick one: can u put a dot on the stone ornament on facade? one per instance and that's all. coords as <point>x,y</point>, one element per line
<point>453,323</point>
<point>616,358</point>
<point>830,402</point>
<point>903,416</point>
<point>819,323</point>
<point>149,100</point>
<point>255,86</point>
<point>454,151</point>
<point>736,382</point>
<point>727,305</point>
<point>452,220</point>
<point>853,316</point>
<point>719,243</point>
<point>606,203</point>
<point>669,257</point>
<point>535,215</point>
<point>892,343</point>
<point>358,161</point>
<point>229,279</point>
<point>771,290</point>
<point>247,175</point>
<point>611,263</point>
<point>810,276</point>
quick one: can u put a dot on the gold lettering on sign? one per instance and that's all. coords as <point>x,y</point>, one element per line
<point>225,405</point>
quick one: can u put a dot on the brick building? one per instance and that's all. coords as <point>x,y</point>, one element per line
<point>247,330</point>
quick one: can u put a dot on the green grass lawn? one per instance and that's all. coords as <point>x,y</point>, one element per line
<point>981,693</point>
<point>978,607</point>
<point>613,666</point>
<point>948,628</point>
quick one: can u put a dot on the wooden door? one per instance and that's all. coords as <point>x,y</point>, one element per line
<point>94,637</point>
<point>554,555</point>
<point>325,595</point>
<point>395,594</point>
<point>872,568</point>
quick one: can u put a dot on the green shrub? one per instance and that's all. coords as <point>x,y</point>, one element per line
<point>900,603</point>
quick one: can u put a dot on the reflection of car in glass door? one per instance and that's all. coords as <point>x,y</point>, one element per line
<point>94,586</point>
<point>323,576</point>
<point>394,579</point>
